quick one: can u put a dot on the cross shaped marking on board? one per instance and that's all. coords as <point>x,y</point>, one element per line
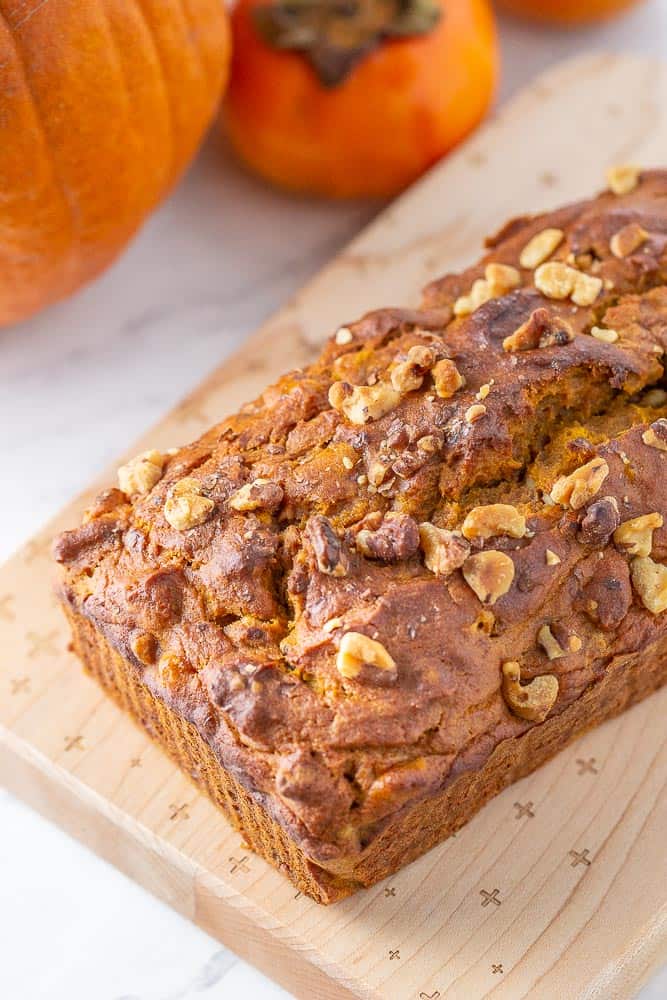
<point>497,968</point>
<point>394,954</point>
<point>579,858</point>
<point>490,897</point>
<point>73,743</point>
<point>239,864</point>
<point>524,810</point>
<point>179,812</point>
<point>390,891</point>
<point>42,644</point>
<point>6,612</point>
<point>135,762</point>
<point>19,684</point>
<point>587,765</point>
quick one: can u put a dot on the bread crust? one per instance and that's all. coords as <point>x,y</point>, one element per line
<point>453,484</point>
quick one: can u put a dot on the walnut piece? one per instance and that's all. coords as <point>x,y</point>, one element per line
<point>330,554</point>
<point>498,280</point>
<point>489,574</point>
<point>447,379</point>
<point>541,329</point>
<point>144,647</point>
<point>623,178</point>
<point>549,643</point>
<point>655,436</point>
<point>551,558</point>
<point>444,551</point>
<point>170,669</point>
<point>260,494</point>
<point>343,336</point>
<point>540,247</point>
<point>141,473</point>
<point>636,535</point>
<point>531,701</point>
<point>396,539</point>
<point>408,375</point>
<point>185,507</point>
<point>358,651</point>
<point>581,485</point>
<point>627,240</point>
<point>607,336</point>
<point>557,280</point>
<point>493,519</point>
<point>650,581</point>
<point>599,522</point>
<point>474,413</point>
<point>361,403</point>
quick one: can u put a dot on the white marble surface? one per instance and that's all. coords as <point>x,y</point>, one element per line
<point>80,382</point>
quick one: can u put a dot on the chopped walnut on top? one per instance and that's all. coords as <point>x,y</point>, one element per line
<point>444,551</point>
<point>623,178</point>
<point>540,247</point>
<point>636,535</point>
<point>557,280</point>
<point>260,494</point>
<point>330,554</point>
<point>361,403</point>
<point>627,240</point>
<point>581,485</point>
<point>599,522</point>
<point>649,579</point>
<point>141,473</point>
<point>489,574</point>
<point>531,701</point>
<point>541,329</point>
<point>605,334</point>
<point>493,519</point>
<point>498,280</point>
<point>394,540</point>
<point>365,659</point>
<point>185,507</point>
<point>549,643</point>
<point>447,379</point>
<point>655,436</point>
<point>408,375</point>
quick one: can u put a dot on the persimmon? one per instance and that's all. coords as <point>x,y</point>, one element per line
<point>102,106</point>
<point>352,98</point>
<point>567,12</point>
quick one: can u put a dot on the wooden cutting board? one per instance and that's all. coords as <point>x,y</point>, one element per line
<point>558,888</point>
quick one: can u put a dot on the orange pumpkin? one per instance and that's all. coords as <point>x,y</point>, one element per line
<point>102,105</point>
<point>567,12</point>
<point>356,97</point>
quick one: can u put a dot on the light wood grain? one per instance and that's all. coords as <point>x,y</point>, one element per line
<point>559,887</point>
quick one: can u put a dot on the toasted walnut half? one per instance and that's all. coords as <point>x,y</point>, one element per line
<point>493,519</point>
<point>541,329</point>
<point>260,494</point>
<point>627,240</point>
<point>531,701</point>
<point>360,657</point>
<point>447,379</point>
<point>141,473</point>
<point>649,579</point>
<point>541,246</point>
<point>581,485</point>
<point>395,539</point>
<point>623,178</point>
<point>185,507</point>
<point>655,436</point>
<point>599,522</point>
<point>361,403</point>
<point>444,551</point>
<point>489,574</point>
<point>636,535</point>
<point>330,554</point>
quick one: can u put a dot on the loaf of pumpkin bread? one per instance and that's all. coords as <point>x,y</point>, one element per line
<point>407,575</point>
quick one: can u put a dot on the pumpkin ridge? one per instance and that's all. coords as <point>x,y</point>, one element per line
<point>68,266</point>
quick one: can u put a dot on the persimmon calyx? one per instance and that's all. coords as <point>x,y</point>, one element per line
<point>334,35</point>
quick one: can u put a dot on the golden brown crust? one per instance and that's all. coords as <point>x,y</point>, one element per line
<point>301,520</point>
